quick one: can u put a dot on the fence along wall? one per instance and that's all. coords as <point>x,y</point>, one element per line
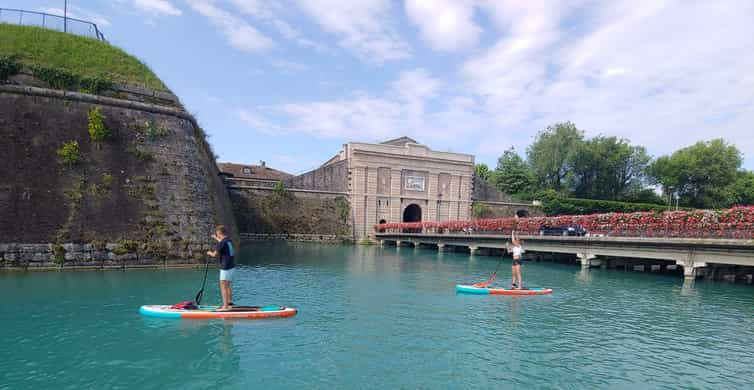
<point>50,21</point>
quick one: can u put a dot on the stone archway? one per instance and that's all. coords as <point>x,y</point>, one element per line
<point>412,213</point>
<point>522,213</point>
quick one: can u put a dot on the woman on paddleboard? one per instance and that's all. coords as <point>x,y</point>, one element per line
<point>518,250</point>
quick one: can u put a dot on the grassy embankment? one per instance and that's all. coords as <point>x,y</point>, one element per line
<point>70,60</point>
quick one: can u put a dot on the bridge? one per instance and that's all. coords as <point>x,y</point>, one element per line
<point>695,256</point>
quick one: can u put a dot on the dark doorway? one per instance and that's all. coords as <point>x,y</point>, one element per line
<point>522,213</point>
<point>412,213</point>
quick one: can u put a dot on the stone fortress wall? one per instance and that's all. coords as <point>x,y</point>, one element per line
<point>149,194</point>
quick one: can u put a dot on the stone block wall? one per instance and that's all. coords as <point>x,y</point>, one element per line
<point>267,211</point>
<point>333,177</point>
<point>152,183</point>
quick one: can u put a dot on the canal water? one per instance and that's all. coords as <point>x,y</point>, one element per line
<point>376,318</point>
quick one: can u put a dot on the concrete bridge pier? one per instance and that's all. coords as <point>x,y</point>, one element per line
<point>691,268</point>
<point>586,259</point>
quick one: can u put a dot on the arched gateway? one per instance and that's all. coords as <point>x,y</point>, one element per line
<point>412,213</point>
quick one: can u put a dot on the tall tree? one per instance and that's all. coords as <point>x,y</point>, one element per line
<point>483,171</point>
<point>743,188</point>
<point>701,174</point>
<point>607,168</point>
<point>551,152</point>
<point>512,175</point>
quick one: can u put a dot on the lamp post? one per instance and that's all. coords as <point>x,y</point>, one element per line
<point>65,16</point>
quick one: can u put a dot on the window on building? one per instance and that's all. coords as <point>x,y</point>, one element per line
<point>247,171</point>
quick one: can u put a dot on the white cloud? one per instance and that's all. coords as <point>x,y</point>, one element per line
<point>269,12</point>
<point>289,66</point>
<point>162,7</point>
<point>448,25</point>
<point>401,111</point>
<point>364,27</point>
<point>663,74</point>
<point>238,32</point>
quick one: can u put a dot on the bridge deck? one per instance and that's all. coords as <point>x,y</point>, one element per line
<point>690,253</point>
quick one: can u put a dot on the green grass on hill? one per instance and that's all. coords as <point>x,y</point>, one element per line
<point>83,57</point>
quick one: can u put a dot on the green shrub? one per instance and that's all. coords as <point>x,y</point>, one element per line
<point>58,253</point>
<point>143,155</point>
<point>98,245</point>
<point>107,179</point>
<point>151,132</point>
<point>481,210</point>
<point>96,125</point>
<point>556,204</point>
<point>125,246</point>
<point>9,66</point>
<point>69,153</point>
<point>62,79</point>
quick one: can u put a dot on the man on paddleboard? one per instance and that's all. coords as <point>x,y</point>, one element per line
<point>224,252</point>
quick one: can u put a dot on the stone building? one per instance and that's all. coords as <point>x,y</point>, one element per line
<point>398,180</point>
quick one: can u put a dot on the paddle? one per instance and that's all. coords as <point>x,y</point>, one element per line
<point>492,277</point>
<point>198,298</point>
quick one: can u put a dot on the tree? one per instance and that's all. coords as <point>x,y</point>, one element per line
<point>701,174</point>
<point>512,175</point>
<point>607,168</point>
<point>743,188</point>
<point>483,171</point>
<point>551,153</point>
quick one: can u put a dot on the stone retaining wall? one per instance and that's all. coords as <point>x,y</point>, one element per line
<point>102,255</point>
<point>321,238</point>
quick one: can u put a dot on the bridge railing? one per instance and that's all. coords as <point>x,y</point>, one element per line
<point>53,22</point>
<point>735,223</point>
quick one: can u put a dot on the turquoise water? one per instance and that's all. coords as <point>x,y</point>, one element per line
<point>373,317</point>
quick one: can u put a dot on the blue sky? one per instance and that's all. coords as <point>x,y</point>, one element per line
<point>289,81</point>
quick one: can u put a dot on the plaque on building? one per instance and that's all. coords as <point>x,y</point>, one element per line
<point>414,183</point>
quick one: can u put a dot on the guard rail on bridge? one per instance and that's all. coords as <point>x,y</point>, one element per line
<point>689,253</point>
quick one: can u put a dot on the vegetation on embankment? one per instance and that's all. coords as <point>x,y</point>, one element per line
<point>68,58</point>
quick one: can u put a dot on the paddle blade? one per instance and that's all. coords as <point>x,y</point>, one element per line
<point>198,298</point>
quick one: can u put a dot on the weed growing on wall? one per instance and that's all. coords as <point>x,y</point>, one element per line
<point>9,66</point>
<point>69,153</point>
<point>58,253</point>
<point>107,179</point>
<point>148,130</point>
<point>143,155</point>
<point>96,125</point>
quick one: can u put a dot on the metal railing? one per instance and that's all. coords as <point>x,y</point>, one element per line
<point>53,22</point>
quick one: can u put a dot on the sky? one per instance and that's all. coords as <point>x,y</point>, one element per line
<point>290,81</point>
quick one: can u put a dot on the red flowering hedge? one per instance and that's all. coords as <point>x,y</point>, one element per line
<point>737,222</point>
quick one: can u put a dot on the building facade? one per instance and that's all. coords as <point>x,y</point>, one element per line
<point>403,181</point>
<point>399,180</point>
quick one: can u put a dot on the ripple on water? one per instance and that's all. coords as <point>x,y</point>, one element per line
<point>377,318</point>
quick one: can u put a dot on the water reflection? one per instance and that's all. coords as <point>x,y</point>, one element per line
<point>688,288</point>
<point>584,276</point>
